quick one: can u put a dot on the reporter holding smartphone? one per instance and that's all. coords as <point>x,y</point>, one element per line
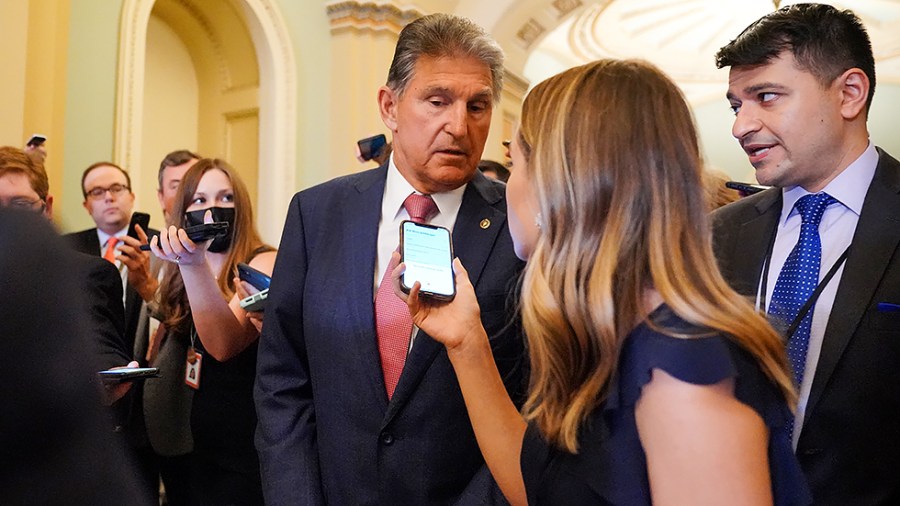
<point>208,335</point>
<point>651,380</point>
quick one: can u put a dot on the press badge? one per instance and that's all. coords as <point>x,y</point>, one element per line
<point>192,369</point>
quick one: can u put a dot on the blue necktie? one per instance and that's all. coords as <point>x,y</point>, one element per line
<point>798,280</point>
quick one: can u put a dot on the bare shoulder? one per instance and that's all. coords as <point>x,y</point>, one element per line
<point>703,446</point>
<point>264,261</point>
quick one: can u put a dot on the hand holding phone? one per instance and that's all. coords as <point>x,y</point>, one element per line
<point>427,251</point>
<point>200,233</point>
<point>138,218</point>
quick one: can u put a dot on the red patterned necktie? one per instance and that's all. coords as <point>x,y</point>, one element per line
<point>392,321</point>
<point>110,253</point>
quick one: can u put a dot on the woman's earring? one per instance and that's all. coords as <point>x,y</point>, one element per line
<point>537,220</point>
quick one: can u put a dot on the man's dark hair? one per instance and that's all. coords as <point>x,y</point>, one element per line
<point>824,41</point>
<point>174,159</point>
<point>84,191</point>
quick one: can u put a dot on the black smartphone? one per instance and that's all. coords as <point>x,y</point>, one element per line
<point>137,218</point>
<point>207,231</point>
<point>200,233</point>
<point>746,188</point>
<point>128,374</point>
<point>427,251</point>
<point>371,147</point>
<point>258,279</point>
<point>37,140</point>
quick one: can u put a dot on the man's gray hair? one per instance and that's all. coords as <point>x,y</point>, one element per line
<point>438,35</point>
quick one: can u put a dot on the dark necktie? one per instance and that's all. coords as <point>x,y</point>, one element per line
<point>798,280</point>
<point>392,321</point>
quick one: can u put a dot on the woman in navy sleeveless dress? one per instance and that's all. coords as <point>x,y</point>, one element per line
<point>651,380</point>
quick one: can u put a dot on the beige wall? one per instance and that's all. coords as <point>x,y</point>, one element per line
<point>171,107</point>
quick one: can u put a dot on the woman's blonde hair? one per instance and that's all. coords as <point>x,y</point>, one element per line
<point>173,301</point>
<point>614,157</point>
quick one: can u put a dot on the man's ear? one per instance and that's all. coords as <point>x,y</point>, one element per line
<point>48,207</point>
<point>387,105</point>
<point>87,205</point>
<point>854,87</point>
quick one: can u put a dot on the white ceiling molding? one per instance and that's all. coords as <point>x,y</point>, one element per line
<point>681,37</point>
<point>370,15</point>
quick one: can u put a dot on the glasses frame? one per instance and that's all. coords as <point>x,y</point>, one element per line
<point>99,192</point>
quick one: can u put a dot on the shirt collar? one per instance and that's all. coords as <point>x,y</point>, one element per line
<point>104,237</point>
<point>849,187</point>
<point>397,188</point>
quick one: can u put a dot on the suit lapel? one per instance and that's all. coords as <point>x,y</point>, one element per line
<point>87,242</point>
<point>757,232</point>
<point>360,244</point>
<point>474,234</point>
<point>874,243</point>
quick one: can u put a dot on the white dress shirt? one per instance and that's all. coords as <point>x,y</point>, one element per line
<point>123,269</point>
<point>396,189</point>
<point>836,232</point>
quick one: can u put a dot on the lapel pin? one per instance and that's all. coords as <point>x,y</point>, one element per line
<point>485,223</point>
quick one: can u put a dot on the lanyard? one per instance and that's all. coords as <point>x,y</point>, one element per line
<point>812,298</point>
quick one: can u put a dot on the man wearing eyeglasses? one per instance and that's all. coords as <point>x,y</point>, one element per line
<point>109,200</point>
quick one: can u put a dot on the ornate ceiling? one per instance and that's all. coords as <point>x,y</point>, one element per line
<point>682,37</point>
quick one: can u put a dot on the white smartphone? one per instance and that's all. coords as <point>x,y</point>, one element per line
<point>427,251</point>
<point>255,302</point>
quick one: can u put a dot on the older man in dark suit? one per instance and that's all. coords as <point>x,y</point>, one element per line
<point>355,406</point>
<point>820,250</point>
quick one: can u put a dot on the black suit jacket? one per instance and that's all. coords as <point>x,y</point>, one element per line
<point>87,242</point>
<point>57,448</point>
<point>849,446</point>
<point>327,432</point>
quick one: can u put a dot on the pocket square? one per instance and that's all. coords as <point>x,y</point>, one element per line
<point>887,307</point>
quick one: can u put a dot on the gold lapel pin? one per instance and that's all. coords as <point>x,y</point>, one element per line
<point>485,223</point>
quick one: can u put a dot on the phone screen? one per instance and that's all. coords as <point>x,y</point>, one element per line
<point>427,251</point>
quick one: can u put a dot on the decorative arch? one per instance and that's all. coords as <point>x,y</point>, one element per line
<point>277,103</point>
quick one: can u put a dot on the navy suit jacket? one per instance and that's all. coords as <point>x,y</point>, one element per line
<point>327,432</point>
<point>88,242</point>
<point>849,446</point>
<point>57,447</point>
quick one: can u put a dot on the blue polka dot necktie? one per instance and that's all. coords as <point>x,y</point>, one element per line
<point>798,280</point>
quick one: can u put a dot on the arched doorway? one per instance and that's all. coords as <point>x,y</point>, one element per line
<point>245,113</point>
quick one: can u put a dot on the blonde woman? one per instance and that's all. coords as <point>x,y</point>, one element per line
<point>651,380</point>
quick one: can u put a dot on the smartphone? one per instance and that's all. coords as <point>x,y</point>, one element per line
<point>258,279</point>
<point>36,140</point>
<point>746,188</point>
<point>207,231</point>
<point>128,374</point>
<point>371,147</point>
<point>255,302</point>
<point>200,233</point>
<point>142,219</point>
<point>427,251</point>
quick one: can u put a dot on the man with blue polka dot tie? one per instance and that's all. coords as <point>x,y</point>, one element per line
<point>820,251</point>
